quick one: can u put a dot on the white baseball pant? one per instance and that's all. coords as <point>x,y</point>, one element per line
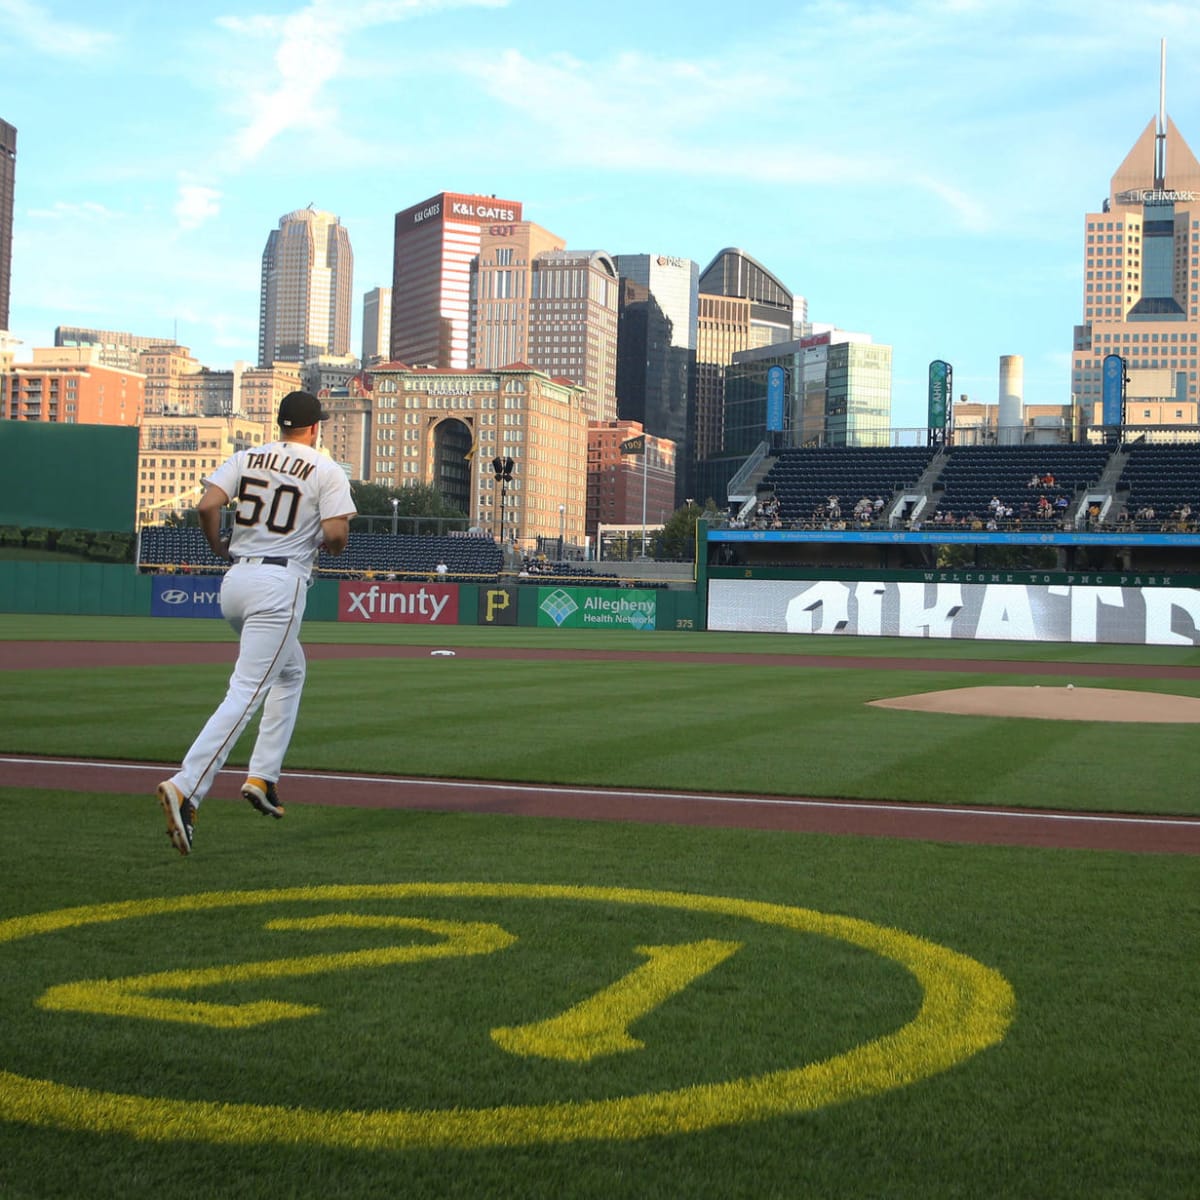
<point>265,605</point>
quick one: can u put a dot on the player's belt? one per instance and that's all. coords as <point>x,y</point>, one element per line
<point>270,560</point>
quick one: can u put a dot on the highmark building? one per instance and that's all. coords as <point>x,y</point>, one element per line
<point>1142,287</point>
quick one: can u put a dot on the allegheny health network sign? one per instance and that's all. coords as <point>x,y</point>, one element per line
<point>597,608</point>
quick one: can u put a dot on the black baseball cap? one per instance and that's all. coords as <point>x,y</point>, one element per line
<point>298,410</point>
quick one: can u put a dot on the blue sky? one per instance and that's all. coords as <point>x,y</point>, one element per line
<point>919,170</point>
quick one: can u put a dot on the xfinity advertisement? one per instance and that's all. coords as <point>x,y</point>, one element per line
<point>1166,616</point>
<point>398,603</point>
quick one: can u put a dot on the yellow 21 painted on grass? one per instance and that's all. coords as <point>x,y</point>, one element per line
<point>965,1008</point>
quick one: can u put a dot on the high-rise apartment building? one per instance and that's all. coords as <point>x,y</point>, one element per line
<point>1141,298</point>
<point>377,326</point>
<point>436,242</point>
<point>656,348</point>
<point>307,289</point>
<point>8,172</point>
<point>70,386</point>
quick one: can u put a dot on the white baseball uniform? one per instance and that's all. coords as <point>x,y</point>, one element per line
<point>283,491</point>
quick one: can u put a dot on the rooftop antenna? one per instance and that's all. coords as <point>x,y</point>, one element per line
<point>1160,137</point>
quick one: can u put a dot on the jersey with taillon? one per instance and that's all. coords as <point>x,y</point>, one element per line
<point>283,491</point>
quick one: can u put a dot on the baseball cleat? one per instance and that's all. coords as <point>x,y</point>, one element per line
<point>261,794</point>
<point>181,816</point>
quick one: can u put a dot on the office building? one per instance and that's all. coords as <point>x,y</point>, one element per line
<point>656,347</point>
<point>307,289</point>
<point>176,453</point>
<point>742,306</point>
<point>257,391</point>
<point>347,433</point>
<point>1141,297</point>
<point>837,392</point>
<point>436,242</point>
<point>443,428</point>
<point>534,301</point>
<point>628,489</point>
<point>377,326</point>
<point>8,174</point>
<point>113,349</point>
<point>163,366</point>
<point>501,291</point>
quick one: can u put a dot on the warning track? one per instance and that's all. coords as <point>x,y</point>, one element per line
<point>795,814</point>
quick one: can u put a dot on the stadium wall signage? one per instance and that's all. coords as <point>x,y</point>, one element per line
<point>597,608</point>
<point>181,596</point>
<point>398,603</point>
<point>1164,616</point>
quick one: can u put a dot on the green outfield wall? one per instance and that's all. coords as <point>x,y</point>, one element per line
<point>95,589</point>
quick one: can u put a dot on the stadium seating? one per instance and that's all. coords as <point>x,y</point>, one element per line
<point>1165,478</point>
<point>403,555</point>
<point>804,478</point>
<point>972,475</point>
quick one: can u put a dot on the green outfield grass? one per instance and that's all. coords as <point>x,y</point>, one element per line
<point>776,727</point>
<point>1090,1093</point>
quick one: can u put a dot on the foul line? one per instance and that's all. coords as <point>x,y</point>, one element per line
<point>547,789</point>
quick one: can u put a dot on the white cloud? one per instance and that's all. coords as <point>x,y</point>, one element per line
<point>308,56</point>
<point>25,23</point>
<point>196,204</point>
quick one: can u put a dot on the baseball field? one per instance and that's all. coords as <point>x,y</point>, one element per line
<point>601,914</point>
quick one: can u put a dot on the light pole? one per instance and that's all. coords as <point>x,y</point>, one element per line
<point>395,518</point>
<point>562,524</point>
<point>503,469</point>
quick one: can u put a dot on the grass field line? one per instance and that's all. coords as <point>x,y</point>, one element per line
<point>631,794</point>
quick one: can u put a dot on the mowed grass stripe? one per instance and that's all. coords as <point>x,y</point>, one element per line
<point>691,726</point>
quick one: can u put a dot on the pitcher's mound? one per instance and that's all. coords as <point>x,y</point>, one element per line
<point>1054,704</point>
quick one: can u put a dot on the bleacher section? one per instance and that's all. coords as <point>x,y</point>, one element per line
<point>803,479</point>
<point>381,553</point>
<point>1163,478</point>
<point>973,475</point>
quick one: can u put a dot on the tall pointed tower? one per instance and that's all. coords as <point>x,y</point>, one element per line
<point>307,285</point>
<point>1142,282</point>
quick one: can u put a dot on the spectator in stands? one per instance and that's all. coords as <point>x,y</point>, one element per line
<point>1048,480</point>
<point>442,570</point>
<point>1036,481</point>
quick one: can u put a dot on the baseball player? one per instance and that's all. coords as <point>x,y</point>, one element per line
<point>290,501</point>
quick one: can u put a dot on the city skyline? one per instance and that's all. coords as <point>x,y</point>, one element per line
<point>919,172</point>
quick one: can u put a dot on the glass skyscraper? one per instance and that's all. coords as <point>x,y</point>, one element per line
<point>656,348</point>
